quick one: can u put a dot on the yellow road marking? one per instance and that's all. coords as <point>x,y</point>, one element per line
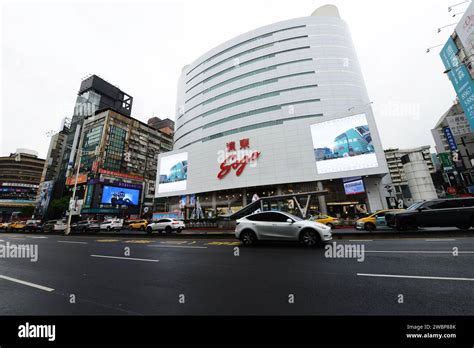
<point>223,243</point>
<point>107,240</point>
<point>138,241</point>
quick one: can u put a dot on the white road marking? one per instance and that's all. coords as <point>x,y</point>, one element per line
<point>438,240</point>
<point>38,237</point>
<point>124,258</point>
<point>417,251</point>
<point>411,277</point>
<point>67,241</point>
<point>177,246</point>
<point>41,287</point>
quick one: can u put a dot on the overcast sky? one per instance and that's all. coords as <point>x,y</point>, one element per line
<point>141,46</point>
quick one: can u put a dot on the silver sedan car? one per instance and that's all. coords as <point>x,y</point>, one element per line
<point>273,225</point>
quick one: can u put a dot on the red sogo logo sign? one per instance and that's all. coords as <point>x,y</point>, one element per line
<point>235,162</point>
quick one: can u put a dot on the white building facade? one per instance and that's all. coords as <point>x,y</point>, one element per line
<point>283,108</point>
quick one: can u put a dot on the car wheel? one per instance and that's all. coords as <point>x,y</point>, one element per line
<point>330,225</point>
<point>369,226</point>
<point>248,238</point>
<point>309,237</point>
<point>108,228</point>
<point>179,230</point>
<point>463,227</point>
<point>149,230</point>
<point>168,229</point>
<point>142,228</point>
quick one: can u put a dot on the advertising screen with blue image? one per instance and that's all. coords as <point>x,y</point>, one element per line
<point>116,196</point>
<point>354,187</point>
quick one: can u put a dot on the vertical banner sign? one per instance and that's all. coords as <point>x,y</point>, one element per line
<point>460,78</point>
<point>88,200</point>
<point>450,138</point>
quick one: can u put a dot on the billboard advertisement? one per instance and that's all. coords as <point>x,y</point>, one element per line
<point>458,124</point>
<point>354,187</point>
<point>343,144</point>
<point>173,173</point>
<point>117,196</point>
<point>465,30</point>
<point>44,195</point>
<point>460,79</point>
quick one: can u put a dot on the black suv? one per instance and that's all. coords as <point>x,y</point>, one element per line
<point>451,212</point>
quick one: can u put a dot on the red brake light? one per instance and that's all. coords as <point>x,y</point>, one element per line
<point>175,223</point>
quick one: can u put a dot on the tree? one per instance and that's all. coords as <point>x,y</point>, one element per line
<point>27,211</point>
<point>58,207</point>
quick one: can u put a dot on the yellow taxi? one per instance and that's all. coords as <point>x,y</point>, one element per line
<point>4,225</point>
<point>327,220</point>
<point>374,220</point>
<point>138,225</point>
<point>17,225</point>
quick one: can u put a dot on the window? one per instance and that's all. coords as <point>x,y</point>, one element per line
<point>251,61</point>
<point>243,43</point>
<point>251,73</point>
<point>278,217</point>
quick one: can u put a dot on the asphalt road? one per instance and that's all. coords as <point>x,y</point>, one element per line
<point>157,273</point>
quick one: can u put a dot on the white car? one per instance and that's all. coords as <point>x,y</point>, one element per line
<point>167,225</point>
<point>273,225</point>
<point>112,225</point>
<point>54,226</point>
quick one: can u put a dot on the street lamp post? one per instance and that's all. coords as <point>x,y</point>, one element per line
<point>78,167</point>
<point>80,152</point>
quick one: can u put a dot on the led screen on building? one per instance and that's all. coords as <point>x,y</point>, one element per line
<point>117,196</point>
<point>173,173</point>
<point>354,187</point>
<point>343,144</point>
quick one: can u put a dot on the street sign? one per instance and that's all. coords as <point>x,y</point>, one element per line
<point>446,162</point>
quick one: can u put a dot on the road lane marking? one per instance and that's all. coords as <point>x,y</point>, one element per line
<point>411,277</point>
<point>177,246</point>
<point>174,242</point>
<point>107,240</point>
<point>223,243</point>
<point>33,285</point>
<point>124,258</point>
<point>71,242</point>
<point>137,241</point>
<point>38,237</point>
<point>438,240</point>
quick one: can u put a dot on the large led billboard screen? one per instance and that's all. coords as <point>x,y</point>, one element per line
<point>117,196</point>
<point>173,173</point>
<point>343,144</point>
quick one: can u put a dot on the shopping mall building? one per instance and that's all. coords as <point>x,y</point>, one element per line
<point>279,110</point>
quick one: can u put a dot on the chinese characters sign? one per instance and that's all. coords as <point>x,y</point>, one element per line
<point>237,159</point>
